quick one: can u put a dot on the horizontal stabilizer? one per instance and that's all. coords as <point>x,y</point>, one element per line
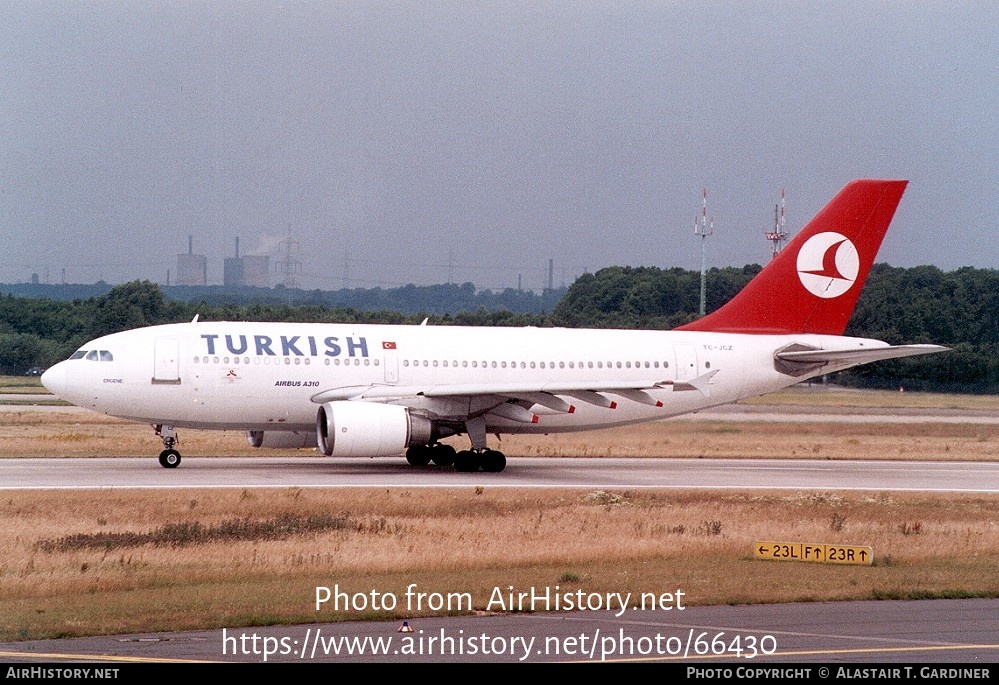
<point>857,355</point>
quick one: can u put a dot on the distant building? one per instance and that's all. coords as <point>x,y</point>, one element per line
<point>192,269</point>
<point>251,270</point>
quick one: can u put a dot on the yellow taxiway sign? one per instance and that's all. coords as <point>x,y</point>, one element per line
<point>807,551</point>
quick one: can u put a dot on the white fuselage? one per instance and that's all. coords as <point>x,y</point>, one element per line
<point>264,376</point>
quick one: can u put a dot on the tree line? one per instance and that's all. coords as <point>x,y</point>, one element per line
<point>959,309</point>
<point>37,332</point>
<point>444,298</point>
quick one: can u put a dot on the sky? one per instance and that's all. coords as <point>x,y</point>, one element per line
<point>422,142</point>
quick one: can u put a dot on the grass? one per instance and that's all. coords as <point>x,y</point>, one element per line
<point>22,385</point>
<point>112,562</point>
<point>818,395</point>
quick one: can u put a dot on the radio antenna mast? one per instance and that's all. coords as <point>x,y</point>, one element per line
<point>705,229</point>
<point>778,236</point>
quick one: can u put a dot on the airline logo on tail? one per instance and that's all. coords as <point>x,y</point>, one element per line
<point>828,264</point>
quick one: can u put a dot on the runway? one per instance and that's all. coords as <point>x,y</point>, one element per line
<point>917,634</point>
<point>280,472</point>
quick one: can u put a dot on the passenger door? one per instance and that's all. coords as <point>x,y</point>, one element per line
<point>166,362</point>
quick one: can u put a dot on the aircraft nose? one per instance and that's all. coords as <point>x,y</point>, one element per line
<point>54,379</point>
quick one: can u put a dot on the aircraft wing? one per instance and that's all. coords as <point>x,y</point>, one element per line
<point>550,395</point>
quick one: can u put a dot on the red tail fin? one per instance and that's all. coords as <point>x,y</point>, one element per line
<point>812,285</point>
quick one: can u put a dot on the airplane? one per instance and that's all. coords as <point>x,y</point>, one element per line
<point>356,390</point>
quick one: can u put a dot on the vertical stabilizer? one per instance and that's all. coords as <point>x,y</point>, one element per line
<point>812,285</point>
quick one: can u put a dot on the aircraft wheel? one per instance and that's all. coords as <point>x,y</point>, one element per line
<point>169,459</point>
<point>493,461</point>
<point>442,455</point>
<point>418,455</point>
<point>466,461</point>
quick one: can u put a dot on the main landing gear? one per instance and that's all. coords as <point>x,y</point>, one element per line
<point>439,453</point>
<point>490,461</point>
<point>465,461</point>
<point>169,457</point>
<point>479,458</point>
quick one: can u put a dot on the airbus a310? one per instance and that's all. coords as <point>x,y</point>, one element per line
<point>373,390</point>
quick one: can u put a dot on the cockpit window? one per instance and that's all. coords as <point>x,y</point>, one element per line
<point>94,355</point>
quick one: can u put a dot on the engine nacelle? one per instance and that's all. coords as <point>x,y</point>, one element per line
<point>365,429</point>
<point>281,439</point>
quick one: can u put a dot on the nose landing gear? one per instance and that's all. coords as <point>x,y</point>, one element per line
<point>169,457</point>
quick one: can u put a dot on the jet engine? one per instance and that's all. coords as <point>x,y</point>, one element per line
<point>280,439</point>
<point>364,429</point>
